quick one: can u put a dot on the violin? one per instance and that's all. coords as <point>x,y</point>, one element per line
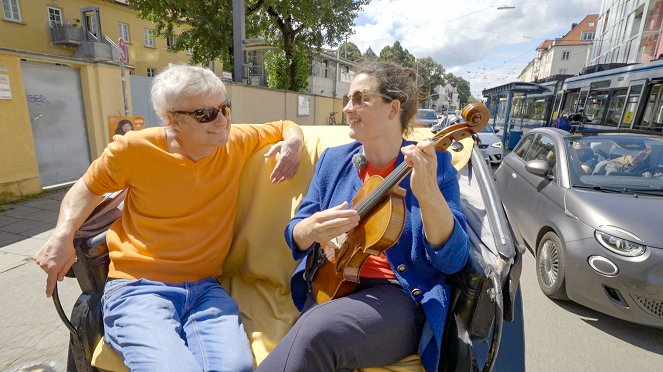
<point>380,203</point>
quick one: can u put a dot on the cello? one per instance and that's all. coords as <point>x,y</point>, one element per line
<point>335,265</point>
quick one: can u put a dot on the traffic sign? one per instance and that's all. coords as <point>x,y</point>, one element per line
<point>122,46</point>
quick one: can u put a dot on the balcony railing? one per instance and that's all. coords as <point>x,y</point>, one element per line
<point>66,35</point>
<point>95,51</point>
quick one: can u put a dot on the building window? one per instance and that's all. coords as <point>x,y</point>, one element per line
<point>587,35</point>
<point>151,72</point>
<point>149,38</point>
<point>123,31</point>
<point>54,17</point>
<point>170,42</point>
<point>591,24</point>
<point>563,71</point>
<point>11,10</point>
<point>566,55</point>
<point>92,26</point>
<point>189,51</point>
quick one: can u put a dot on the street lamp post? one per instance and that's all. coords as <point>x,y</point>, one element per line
<point>238,40</point>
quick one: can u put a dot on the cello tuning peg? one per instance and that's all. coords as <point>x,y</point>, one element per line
<point>457,146</point>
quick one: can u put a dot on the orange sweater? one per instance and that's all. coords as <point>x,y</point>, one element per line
<point>178,215</point>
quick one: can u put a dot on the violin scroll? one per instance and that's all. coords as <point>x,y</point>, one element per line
<point>476,116</point>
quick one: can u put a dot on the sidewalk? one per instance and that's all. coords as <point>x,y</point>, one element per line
<point>32,337</point>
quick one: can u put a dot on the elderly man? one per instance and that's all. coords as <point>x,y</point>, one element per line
<point>162,307</point>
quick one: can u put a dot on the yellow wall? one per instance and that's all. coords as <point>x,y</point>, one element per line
<point>33,33</point>
<point>102,97</point>
<point>252,104</point>
<point>19,174</point>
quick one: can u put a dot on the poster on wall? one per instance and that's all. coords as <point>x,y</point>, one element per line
<point>5,88</point>
<point>123,124</point>
<point>303,105</point>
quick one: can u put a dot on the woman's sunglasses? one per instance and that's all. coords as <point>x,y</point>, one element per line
<point>207,115</point>
<point>361,96</point>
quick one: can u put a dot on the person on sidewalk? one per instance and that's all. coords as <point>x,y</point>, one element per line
<point>176,226</point>
<point>400,306</point>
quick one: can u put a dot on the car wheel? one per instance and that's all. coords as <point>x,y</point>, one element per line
<point>550,266</point>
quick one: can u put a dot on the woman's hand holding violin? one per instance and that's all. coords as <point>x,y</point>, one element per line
<point>325,225</point>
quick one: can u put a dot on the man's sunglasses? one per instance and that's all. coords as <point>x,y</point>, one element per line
<point>207,115</point>
<point>361,96</point>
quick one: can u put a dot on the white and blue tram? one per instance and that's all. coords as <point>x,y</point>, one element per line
<point>629,97</point>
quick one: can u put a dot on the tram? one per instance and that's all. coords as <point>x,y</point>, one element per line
<point>628,97</point>
<point>623,98</point>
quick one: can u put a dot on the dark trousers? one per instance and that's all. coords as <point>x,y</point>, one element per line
<point>374,326</point>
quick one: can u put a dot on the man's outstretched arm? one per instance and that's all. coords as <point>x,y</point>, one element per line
<point>58,254</point>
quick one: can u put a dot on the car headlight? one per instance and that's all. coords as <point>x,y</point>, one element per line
<point>497,145</point>
<point>618,245</point>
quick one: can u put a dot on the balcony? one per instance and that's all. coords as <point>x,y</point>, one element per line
<point>96,51</point>
<point>66,35</point>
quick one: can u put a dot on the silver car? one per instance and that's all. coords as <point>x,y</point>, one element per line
<point>489,143</point>
<point>589,206</point>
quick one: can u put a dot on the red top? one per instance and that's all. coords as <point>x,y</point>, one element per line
<point>377,267</point>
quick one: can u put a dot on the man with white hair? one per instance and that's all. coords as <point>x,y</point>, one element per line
<point>162,306</point>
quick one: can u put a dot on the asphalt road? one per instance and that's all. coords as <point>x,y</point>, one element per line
<point>564,336</point>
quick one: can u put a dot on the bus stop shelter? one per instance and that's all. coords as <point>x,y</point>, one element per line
<point>499,101</point>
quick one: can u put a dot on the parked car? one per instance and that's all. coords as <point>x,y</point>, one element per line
<point>426,117</point>
<point>490,144</point>
<point>585,205</point>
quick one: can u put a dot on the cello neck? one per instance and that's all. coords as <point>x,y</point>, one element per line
<point>377,195</point>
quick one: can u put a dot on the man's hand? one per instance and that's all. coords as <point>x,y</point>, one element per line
<point>290,155</point>
<point>55,258</point>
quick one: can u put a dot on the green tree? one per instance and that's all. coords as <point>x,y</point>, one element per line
<point>369,55</point>
<point>431,74</point>
<point>350,51</point>
<point>276,62</point>
<point>463,88</point>
<point>398,55</point>
<point>294,27</point>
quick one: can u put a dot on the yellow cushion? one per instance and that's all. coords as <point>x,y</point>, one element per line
<point>258,268</point>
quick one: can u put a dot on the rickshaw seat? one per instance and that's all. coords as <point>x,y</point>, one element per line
<point>256,272</point>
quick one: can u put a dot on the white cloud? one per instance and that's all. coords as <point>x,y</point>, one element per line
<point>470,38</point>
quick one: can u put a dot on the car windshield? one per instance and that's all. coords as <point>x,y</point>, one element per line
<point>427,114</point>
<point>488,129</point>
<point>611,161</point>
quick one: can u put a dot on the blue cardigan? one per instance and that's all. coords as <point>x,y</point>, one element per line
<point>336,180</point>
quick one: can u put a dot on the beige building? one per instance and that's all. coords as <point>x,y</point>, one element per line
<point>447,100</point>
<point>562,56</point>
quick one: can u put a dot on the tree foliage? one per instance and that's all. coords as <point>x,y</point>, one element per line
<point>398,55</point>
<point>276,63</point>
<point>463,88</point>
<point>293,27</point>
<point>431,74</point>
<point>369,55</point>
<point>350,51</point>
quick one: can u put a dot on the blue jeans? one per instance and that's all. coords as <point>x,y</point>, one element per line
<point>194,326</point>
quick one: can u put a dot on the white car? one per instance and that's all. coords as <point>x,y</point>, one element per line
<point>491,145</point>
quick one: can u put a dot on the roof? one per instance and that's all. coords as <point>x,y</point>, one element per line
<point>516,86</point>
<point>573,37</point>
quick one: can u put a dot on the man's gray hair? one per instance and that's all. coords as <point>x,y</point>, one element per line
<point>176,82</point>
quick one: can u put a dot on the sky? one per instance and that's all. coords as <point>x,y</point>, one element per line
<point>473,39</point>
